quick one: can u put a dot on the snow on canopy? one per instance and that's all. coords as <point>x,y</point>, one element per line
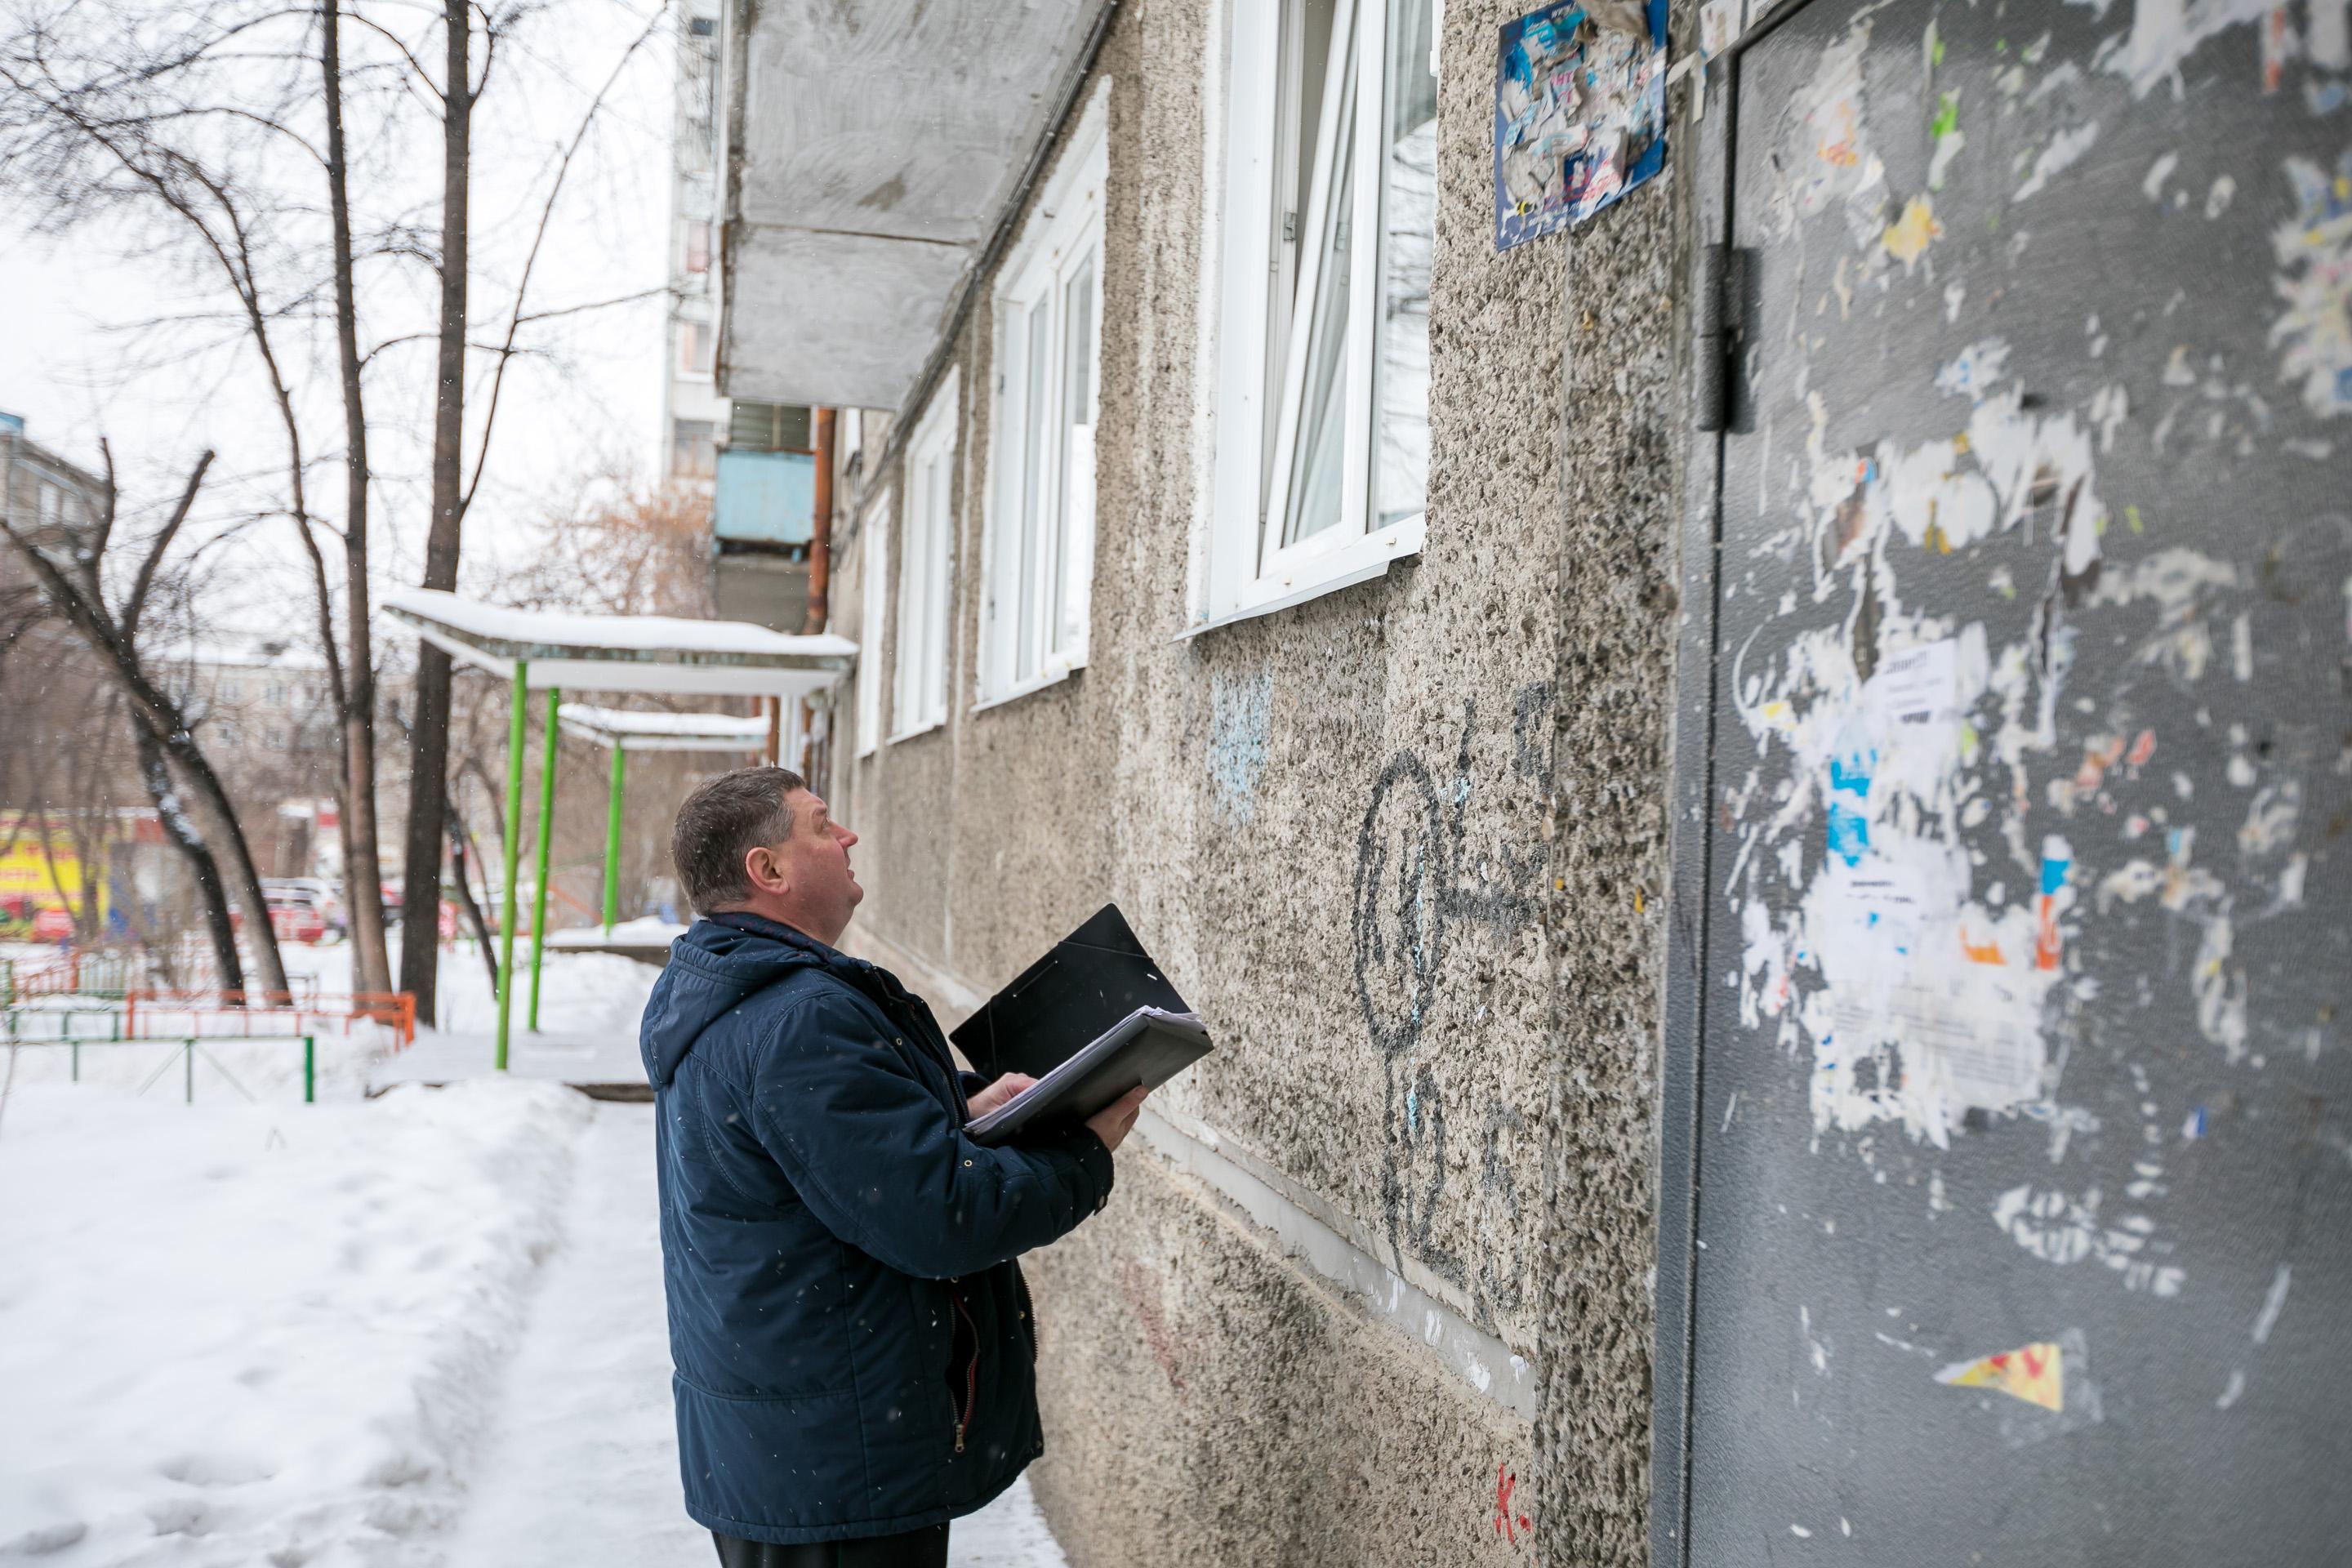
<point>635,729</point>
<point>623,653</point>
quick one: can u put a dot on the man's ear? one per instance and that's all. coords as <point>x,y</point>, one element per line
<point>765,875</point>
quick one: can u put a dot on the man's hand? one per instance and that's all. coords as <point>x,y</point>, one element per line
<point>1111,1122</point>
<point>997,1093</point>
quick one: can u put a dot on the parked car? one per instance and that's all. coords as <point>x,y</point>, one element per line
<point>326,897</point>
<point>394,911</point>
<point>302,893</point>
<point>291,918</point>
<point>294,919</point>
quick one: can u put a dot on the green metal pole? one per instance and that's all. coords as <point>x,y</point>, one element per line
<point>189,1053</point>
<point>515,736</point>
<point>310,1062</point>
<point>542,840</point>
<point>613,842</point>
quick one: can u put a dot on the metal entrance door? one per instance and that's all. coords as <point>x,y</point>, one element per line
<point>2008,1156</point>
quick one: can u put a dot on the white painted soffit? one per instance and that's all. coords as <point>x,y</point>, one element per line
<point>874,145</point>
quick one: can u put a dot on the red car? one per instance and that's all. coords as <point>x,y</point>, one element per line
<point>290,919</point>
<point>297,919</point>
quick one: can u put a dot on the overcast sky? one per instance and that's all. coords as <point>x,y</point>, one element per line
<point>80,360</point>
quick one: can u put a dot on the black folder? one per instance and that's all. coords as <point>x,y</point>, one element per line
<point>1095,984</point>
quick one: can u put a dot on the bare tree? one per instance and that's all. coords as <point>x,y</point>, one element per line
<point>428,758</point>
<point>619,551</point>
<point>86,803</point>
<point>75,590</point>
<point>146,128</point>
<point>428,731</point>
<point>167,120</point>
<point>355,698</point>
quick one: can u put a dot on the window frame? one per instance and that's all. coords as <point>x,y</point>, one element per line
<point>1061,240</point>
<point>709,438</point>
<point>874,599</point>
<point>1246,570</point>
<point>926,593</point>
<point>698,351</point>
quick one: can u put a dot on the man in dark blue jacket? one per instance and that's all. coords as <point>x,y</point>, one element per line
<point>854,1347</point>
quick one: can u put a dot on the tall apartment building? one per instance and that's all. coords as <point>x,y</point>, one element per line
<point>261,709</point>
<point>694,413</point>
<point>43,496</point>
<point>1753,786</point>
<point>754,459</point>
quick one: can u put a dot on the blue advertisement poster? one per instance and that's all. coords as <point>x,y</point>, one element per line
<point>1580,117</point>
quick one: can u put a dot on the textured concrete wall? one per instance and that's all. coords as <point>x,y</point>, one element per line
<point>1623,368</point>
<point>1390,843</point>
<point>1625,429</point>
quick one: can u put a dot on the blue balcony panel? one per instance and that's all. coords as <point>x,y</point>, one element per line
<point>764,498</point>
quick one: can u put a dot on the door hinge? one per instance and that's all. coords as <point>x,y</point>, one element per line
<point>1719,281</point>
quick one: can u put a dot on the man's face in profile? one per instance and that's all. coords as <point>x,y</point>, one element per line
<point>815,861</point>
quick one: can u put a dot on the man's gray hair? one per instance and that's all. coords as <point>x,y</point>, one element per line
<point>721,822</point>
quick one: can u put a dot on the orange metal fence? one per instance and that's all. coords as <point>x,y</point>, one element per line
<point>99,975</point>
<point>272,1011</point>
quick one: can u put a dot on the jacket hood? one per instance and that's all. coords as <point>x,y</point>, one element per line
<point>712,968</point>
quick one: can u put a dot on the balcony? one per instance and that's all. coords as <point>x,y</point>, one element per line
<point>765,502</point>
<point>875,148</point>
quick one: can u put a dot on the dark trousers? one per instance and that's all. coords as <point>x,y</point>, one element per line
<point>924,1548</point>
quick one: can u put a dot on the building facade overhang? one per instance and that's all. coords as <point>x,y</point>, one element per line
<point>873,151</point>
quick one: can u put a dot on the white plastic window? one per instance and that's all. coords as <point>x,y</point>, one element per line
<point>920,692</point>
<point>1041,517</point>
<point>873,598</point>
<point>1322,448</point>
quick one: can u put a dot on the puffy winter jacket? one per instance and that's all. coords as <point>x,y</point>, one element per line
<point>854,1345</point>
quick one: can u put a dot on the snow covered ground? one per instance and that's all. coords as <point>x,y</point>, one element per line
<point>236,1334</point>
<point>421,1329</point>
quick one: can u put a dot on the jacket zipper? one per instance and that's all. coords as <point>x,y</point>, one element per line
<point>970,1370</point>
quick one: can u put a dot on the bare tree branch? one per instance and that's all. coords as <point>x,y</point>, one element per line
<point>539,238</point>
<point>135,608</point>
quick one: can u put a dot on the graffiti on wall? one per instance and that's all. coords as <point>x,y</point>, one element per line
<point>1417,885</point>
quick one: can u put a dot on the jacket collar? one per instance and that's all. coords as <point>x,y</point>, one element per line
<point>750,924</point>
<point>871,978</point>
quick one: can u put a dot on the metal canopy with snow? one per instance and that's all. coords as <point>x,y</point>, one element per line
<point>624,653</point>
<point>625,729</point>
<point>548,650</point>
<point>629,729</point>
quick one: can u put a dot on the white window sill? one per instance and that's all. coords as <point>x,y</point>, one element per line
<point>1029,687</point>
<point>866,750</point>
<point>1363,571</point>
<point>917,730</point>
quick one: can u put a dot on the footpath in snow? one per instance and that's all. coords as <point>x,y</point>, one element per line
<point>589,1006</point>
<point>421,1329</point>
<point>582,1470</point>
<point>588,1396</point>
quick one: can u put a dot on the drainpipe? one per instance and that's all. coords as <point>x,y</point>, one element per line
<point>821,545</point>
<point>819,580</point>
